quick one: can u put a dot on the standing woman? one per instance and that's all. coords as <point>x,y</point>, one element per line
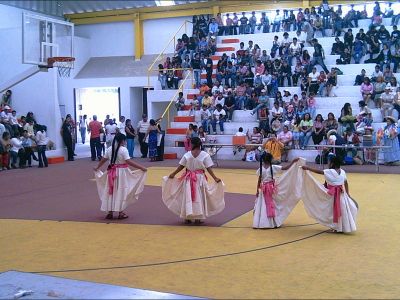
<point>119,186</point>
<point>190,196</point>
<point>130,137</point>
<point>152,135</point>
<point>330,204</point>
<point>160,142</point>
<point>66,132</point>
<point>276,198</point>
<point>42,140</point>
<point>391,155</point>
<point>188,137</point>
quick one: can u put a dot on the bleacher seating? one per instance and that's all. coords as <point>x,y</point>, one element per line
<point>345,91</point>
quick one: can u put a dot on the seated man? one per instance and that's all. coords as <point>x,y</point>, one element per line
<point>337,47</point>
<point>219,116</point>
<point>275,147</point>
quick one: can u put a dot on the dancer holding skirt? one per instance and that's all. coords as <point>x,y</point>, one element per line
<point>119,186</point>
<point>190,196</point>
<point>276,197</point>
<point>330,204</point>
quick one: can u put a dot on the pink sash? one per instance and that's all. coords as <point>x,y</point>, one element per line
<point>335,191</point>
<point>112,175</point>
<point>192,177</point>
<point>268,189</point>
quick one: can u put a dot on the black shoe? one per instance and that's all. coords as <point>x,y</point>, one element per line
<point>93,159</point>
<point>71,159</point>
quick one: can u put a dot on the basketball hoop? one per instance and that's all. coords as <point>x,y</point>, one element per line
<point>63,64</point>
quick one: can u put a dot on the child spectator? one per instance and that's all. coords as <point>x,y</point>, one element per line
<point>286,138</point>
<point>296,132</point>
<point>238,148</point>
<point>27,144</point>
<point>5,150</point>
<point>205,117</point>
<point>312,105</point>
<point>369,141</point>
<point>180,102</point>
<point>274,147</point>
<point>17,151</point>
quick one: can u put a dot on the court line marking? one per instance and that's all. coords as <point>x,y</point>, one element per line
<point>182,260</point>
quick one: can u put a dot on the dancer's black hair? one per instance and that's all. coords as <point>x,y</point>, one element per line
<point>335,162</point>
<point>196,143</point>
<point>266,158</point>
<point>116,143</point>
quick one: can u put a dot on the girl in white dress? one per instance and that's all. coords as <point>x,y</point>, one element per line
<point>119,186</point>
<point>190,196</point>
<point>330,204</point>
<point>276,197</point>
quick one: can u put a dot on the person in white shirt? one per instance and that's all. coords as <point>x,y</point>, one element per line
<point>13,120</point>
<point>142,127</point>
<point>111,130</point>
<point>313,81</point>
<point>121,125</point>
<point>219,116</point>
<point>277,22</point>
<point>16,151</point>
<point>277,112</point>
<point>217,88</point>
<point>219,99</point>
<point>41,142</point>
<point>294,51</point>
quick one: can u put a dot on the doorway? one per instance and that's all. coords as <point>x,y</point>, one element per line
<point>99,101</point>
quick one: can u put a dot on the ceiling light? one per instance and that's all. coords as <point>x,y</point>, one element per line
<point>165,3</point>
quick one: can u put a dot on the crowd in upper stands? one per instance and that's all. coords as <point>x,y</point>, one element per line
<point>249,78</point>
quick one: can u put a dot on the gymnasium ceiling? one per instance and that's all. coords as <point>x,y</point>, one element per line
<point>62,7</point>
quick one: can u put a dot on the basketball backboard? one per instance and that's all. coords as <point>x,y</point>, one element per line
<point>44,37</point>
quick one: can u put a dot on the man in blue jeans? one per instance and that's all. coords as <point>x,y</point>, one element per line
<point>95,145</point>
<point>263,102</point>
<point>219,116</point>
<point>318,57</point>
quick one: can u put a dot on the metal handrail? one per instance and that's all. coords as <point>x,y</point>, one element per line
<point>173,98</point>
<point>163,51</point>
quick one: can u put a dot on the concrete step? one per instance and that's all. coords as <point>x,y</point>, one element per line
<point>226,153</point>
<point>339,91</point>
<point>376,114</point>
<point>229,127</point>
<point>349,79</point>
<point>159,95</point>
<point>181,119</point>
<point>257,36</point>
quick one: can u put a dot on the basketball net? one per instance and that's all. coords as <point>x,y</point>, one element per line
<point>63,65</point>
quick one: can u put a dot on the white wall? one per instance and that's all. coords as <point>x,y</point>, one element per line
<point>109,39</point>
<point>158,32</point>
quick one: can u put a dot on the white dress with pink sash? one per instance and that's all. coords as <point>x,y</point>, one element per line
<point>278,197</point>
<point>330,206</point>
<point>191,196</point>
<point>119,186</point>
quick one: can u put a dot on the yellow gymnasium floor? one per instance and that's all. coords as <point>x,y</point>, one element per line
<point>300,260</point>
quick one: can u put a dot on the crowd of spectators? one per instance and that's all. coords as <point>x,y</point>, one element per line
<point>20,138</point>
<point>249,78</point>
